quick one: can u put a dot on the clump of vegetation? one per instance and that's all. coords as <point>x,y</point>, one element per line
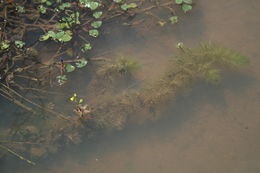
<point>123,66</point>
<point>69,28</point>
<point>205,62</point>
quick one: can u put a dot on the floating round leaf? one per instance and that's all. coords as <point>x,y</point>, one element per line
<point>86,47</point>
<point>62,79</point>
<point>63,36</point>
<point>81,63</point>
<point>186,8</point>
<point>19,44</point>
<point>93,32</point>
<point>178,1</point>
<point>188,1</point>
<point>69,68</point>
<point>97,14</point>
<point>96,24</point>
<point>51,34</point>
<point>173,19</point>
<point>20,9</point>
<point>117,1</point>
<point>92,5</point>
<point>132,5</point>
<point>4,44</point>
<point>124,7</point>
<point>42,9</point>
<point>64,5</point>
<point>44,37</point>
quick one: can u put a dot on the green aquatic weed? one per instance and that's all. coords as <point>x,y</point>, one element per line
<point>185,5</point>
<point>61,36</point>
<point>69,68</point>
<point>125,6</point>
<point>96,24</point>
<point>81,63</point>
<point>62,79</point>
<point>42,9</point>
<point>64,5</point>
<point>117,1</point>
<point>186,8</point>
<point>20,9</point>
<point>97,14</point>
<point>86,47</point>
<point>5,44</point>
<point>90,4</point>
<point>19,44</point>
<point>93,32</point>
<point>173,19</point>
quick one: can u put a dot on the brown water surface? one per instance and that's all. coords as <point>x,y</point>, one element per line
<point>213,129</point>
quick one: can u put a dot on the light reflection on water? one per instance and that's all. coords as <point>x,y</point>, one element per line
<point>214,129</point>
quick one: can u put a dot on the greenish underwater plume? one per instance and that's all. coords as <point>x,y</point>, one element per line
<point>114,110</point>
<point>205,62</point>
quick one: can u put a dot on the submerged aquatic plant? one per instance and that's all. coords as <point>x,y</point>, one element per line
<point>121,66</point>
<point>204,62</point>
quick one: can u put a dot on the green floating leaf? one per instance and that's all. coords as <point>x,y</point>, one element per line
<point>128,6</point>
<point>178,2</point>
<point>81,63</point>
<point>49,3</point>
<point>64,5</point>
<point>132,5</point>
<point>4,44</point>
<point>124,7</point>
<point>174,19</point>
<point>62,25</point>
<point>186,8</point>
<point>93,5</point>
<point>93,32</point>
<point>187,1</point>
<point>42,9</point>
<point>69,68</point>
<point>90,4</point>
<point>44,37</point>
<point>51,34</point>
<point>97,14</point>
<point>20,9</point>
<point>117,1</point>
<point>86,47</point>
<point>96,24</point>
<point>63,36</point>
<point>19,44</point>
<point>62,79</point>
<point>75,17</point>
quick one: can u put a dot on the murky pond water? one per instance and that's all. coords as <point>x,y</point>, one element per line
<point>212,129</point>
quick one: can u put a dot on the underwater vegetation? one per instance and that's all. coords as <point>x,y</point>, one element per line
<point>121,66</point>
<point>68,29</point>
<point>108,112</point>
<point>205,62</point>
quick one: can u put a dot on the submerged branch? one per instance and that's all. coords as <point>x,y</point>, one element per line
<point>17,155</point>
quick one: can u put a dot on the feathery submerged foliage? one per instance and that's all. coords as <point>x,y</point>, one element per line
<point>205,62</point>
